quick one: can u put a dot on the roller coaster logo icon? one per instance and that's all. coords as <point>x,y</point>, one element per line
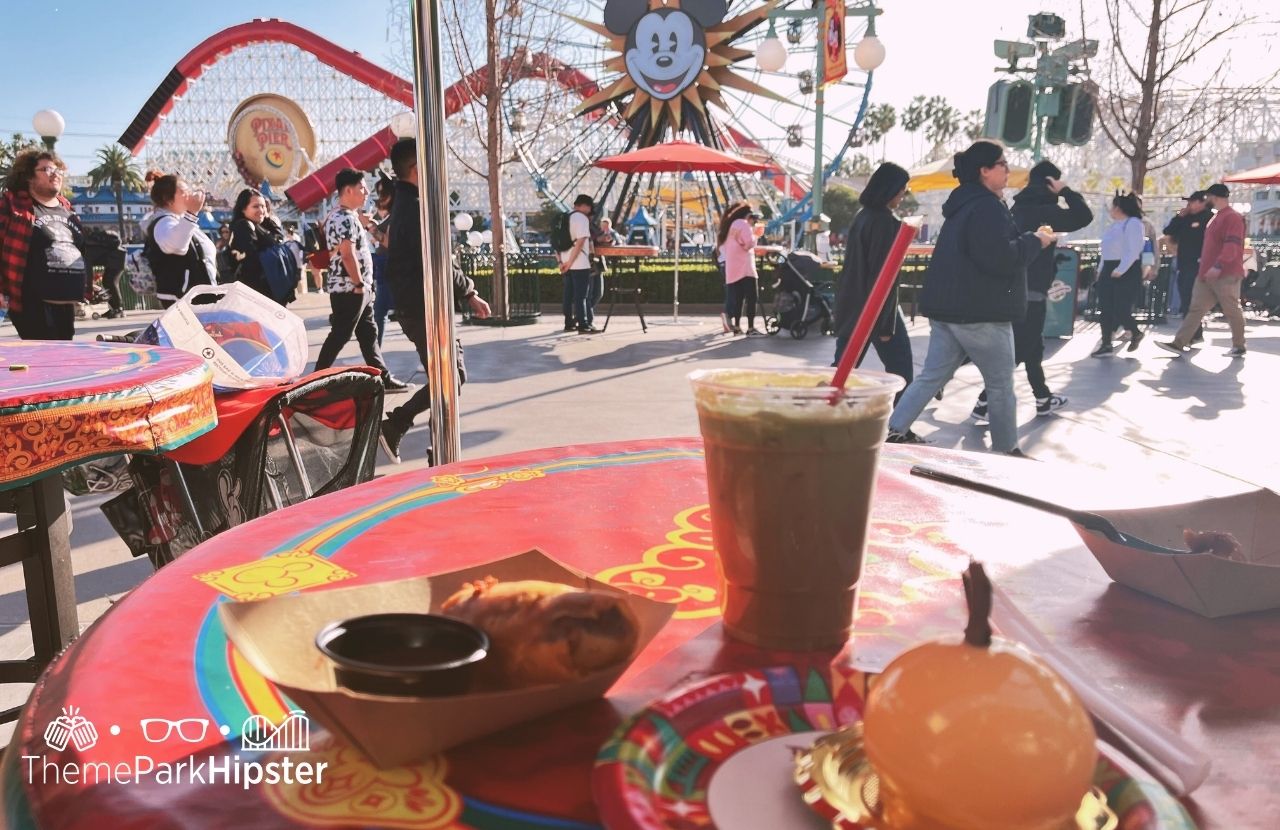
<point>292,735</point>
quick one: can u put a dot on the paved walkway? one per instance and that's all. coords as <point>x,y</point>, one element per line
<point>1203,423</point>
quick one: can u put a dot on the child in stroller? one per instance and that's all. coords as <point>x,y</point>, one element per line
<point>797,302</point>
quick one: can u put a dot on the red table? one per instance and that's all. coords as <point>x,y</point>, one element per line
<point>633,514</point>
<point>62,404</point>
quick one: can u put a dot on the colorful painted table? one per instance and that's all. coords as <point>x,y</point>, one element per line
<point>62,404</point>
<point>633,514</point>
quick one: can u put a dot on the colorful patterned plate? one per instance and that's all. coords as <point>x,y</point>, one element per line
<point>656,771</point>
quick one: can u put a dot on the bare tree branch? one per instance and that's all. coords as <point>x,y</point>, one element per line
<point>1140,81</point>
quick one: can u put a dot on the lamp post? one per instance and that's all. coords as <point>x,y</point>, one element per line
<point>771,55</point>
<point>49,125</point>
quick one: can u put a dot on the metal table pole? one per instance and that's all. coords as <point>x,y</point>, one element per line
<point>433,188</point>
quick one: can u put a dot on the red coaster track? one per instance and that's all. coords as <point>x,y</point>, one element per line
<point>367,154</point>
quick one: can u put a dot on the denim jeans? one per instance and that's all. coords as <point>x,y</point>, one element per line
<point>595,290</point>
<point>1028,348</point>
<point>894,353</point>
<point>990,347</point>
<point>580,279</point>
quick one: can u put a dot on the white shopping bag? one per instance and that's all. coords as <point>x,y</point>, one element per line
<point>247,339</point>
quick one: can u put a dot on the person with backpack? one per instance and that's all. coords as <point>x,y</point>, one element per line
<point>257,240</point>
<point>571,237</point>
<point>180,255</point>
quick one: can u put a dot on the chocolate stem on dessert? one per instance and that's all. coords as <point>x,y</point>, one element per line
<point>977,593</point>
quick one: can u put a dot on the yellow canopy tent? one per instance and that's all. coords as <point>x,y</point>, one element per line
<point>936,175</point>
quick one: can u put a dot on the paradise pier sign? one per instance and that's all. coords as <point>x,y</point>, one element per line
<point>272,139</point>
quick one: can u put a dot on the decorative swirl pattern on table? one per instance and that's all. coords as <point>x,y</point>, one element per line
<point>355,791</point>
<point>682,571</point>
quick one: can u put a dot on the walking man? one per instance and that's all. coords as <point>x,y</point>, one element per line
<point>1186,229</point>
<point>407,278</point>
<point>350,281</point>
<point>1219,277</point>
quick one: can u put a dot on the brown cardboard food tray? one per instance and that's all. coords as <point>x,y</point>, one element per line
<point>1200,582</point>
<point>277,637</point>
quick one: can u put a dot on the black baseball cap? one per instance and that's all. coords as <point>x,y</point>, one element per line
<point>1219,190</point>
<point>1197,196</point>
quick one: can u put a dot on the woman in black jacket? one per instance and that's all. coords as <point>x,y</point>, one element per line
<point>869,239</point>
<point>974,288</point>
<point>252,230</point>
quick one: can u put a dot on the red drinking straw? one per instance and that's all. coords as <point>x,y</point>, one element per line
<point>875,302</point>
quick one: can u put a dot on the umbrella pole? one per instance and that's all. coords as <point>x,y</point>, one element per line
<point>675,289</point>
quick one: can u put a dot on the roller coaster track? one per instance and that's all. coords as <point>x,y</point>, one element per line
<point>312,189</point>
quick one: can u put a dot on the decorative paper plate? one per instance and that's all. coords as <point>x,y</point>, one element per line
<point>719,753</point>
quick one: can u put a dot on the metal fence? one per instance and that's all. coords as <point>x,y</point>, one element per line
<point>523,291</point>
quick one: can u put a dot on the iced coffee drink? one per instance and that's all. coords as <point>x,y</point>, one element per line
<point>790,478</point>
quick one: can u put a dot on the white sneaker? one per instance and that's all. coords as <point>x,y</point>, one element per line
<point>1044,406</point>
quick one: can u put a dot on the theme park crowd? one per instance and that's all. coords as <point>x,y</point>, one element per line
<point>985,289</point>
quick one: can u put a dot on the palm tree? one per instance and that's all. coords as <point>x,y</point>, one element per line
<point>115,165</point>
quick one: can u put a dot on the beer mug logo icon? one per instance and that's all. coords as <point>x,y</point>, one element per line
<point>73,727</point>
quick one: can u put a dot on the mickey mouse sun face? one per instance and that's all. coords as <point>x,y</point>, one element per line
<point>666,48</point>
<point>668,53</point>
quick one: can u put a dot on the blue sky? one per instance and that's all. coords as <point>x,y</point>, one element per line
<point>97,62</point>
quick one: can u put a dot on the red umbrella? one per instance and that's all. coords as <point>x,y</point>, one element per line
<point>679,157</point>
<point>1267,174</point>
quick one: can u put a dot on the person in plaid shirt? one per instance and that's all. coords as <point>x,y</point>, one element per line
<point>43,273</point>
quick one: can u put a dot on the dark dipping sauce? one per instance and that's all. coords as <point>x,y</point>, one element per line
<point>417,655</point>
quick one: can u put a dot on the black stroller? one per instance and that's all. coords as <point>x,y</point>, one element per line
<point>798,303</point>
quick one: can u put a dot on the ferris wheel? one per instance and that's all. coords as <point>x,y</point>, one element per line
<point>580,91</point>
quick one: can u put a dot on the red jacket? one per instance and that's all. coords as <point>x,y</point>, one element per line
<point>1223,245</point>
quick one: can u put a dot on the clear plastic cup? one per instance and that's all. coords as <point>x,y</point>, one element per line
<point>791,478</point>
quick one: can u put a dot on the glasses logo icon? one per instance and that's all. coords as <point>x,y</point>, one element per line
<point>159,730</point>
